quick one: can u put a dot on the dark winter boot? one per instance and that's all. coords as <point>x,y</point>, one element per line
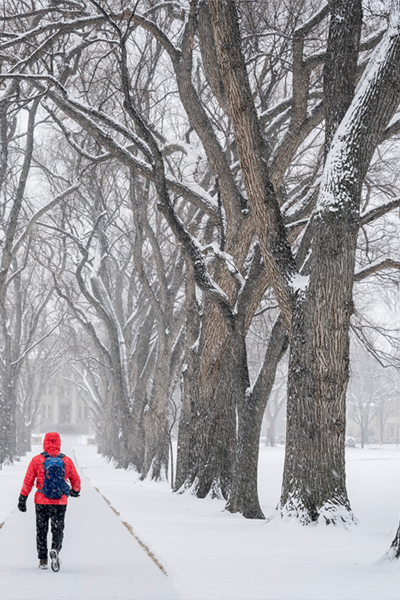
<point>55,560</point>
<point>43,563</point>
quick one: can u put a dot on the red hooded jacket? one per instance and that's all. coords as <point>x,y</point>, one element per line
<point>51,445</point>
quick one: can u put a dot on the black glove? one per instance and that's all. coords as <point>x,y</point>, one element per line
<point>74,494</point>
<point>22,503</point>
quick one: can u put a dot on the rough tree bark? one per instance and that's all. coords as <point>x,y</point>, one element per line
<point>253,154</point>
<point>318,309</point>
<point>314,486</point>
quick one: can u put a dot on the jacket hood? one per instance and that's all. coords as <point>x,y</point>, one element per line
<point>52,443</point>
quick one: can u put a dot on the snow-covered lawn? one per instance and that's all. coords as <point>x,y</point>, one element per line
<point>211,554</point>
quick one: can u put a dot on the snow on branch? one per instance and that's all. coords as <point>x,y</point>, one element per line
<point>61,27</point>
<point>227,260</point>
<point>375,213</point>
<point>374,104</point>
<point>313,21</point>
<point>33,220</point>
<point>195,252</point>
<point>375,267</point>
<point>192,192</point>
<point>318,58</point>
<point>37,343</point>
<point>390,131</point>
<point>86,110</point>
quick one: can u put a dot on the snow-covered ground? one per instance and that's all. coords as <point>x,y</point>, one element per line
<point>206,552</point>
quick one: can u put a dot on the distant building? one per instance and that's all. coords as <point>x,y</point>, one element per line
<point>61,408</point>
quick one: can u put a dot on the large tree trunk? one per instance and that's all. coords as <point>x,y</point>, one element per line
<point>214,385</point>
<point>318,315</point>
<point>319,364</point>
<point>314,474</point>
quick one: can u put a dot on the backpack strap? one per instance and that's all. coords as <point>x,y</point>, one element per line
<point>47,455</point>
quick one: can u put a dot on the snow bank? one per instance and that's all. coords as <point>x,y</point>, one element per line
<point>211,554</point>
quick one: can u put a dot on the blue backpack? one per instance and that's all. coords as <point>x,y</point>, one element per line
<point>54,485</point>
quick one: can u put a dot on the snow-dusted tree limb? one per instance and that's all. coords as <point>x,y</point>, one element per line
<point>392,130</point>
<point>234,203</point>
<point>87,390</point>
<point>314,60</point>
<point>376,100</point>
<point>300,124</point>
<point>25,353</point>
<point>252,270</point>
<point>33,220</point>
<point>227,260</point>
<point>42,12</point>
<point>158,310</point>
<point>313,21</point>
<point>260,191</point>
<point>182,63</point>
<point>376,267</point>
<point>203,278</point>
<point>380,211</point>
<point>143,226</point>
<point>59,26</point>
<point>191,192</point>
<point>301,75</point>
<point>286,150</point>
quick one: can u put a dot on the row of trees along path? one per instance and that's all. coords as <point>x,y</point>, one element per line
<point>170,172</point>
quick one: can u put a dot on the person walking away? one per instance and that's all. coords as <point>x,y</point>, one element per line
<point>51,470</point>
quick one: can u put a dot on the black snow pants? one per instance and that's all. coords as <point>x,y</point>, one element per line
<point>44,512</point>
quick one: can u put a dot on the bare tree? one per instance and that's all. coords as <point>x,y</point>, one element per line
<point>267,202</point>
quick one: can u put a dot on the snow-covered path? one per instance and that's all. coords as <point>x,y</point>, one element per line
<point>100,557</point>
<point>208,553</point>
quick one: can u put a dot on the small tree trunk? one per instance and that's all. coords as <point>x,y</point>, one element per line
<point>244,496</point>
<point>271,432</point>
<point>188,378</point>
<point>184,432</point>
<point>8,402</point>
<point>8,433</point>
<point>251,407</point>
<point>156,422</point>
